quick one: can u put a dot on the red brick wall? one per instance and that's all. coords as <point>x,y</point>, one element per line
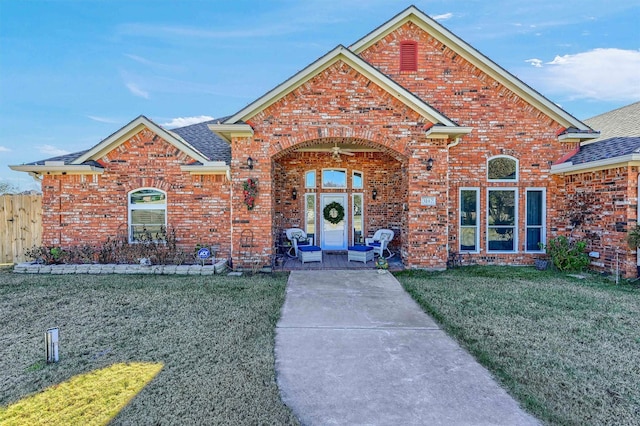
<point>612,213</point>
<point>86,209</point>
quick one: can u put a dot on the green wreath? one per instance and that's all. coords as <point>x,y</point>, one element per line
<point>333,213</point>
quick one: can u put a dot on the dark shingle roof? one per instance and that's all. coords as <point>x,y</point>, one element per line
<point>606,149</point>
<point>204,140</point>
<point>67,158</point>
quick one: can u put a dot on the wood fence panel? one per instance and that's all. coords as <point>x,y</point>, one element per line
<point>20,226</point>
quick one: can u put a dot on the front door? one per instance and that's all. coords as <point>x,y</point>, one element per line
<point>334,235</point>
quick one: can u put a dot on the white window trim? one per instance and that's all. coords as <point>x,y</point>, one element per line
<point>315,180</point>
<point>517,179</point>
<point>516,218</point>
<point>164,207</point>
<point>477,225</point>
<point>543,227</point>
<point>346,184</point>
<point>353,173</point>
<point>353,213</point>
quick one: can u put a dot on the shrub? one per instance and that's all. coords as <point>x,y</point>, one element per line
<point>567,255</point>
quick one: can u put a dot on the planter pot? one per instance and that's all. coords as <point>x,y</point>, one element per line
<point>541,264</point>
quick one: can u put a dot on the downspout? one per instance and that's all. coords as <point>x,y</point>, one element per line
<point>230,214</point>
<point>455,142</point>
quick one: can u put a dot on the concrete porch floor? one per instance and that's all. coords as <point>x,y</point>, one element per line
<point>335,260</point>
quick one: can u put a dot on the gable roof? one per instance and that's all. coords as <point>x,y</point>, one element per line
<point>209,151</point>
<point>603,154</point>
<point>476,58</point>
<point>341,53</point>
<point>624,121</point>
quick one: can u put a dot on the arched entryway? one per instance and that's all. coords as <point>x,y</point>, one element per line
<point>340,190</point>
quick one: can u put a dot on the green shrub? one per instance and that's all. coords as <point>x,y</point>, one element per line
<point>567,255</point>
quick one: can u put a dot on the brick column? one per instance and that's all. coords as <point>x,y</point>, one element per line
<point>427,198</point>
<point>255,223</point>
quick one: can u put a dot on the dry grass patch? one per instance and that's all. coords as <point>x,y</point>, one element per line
<point>567,349</point>
<point>214,336</point>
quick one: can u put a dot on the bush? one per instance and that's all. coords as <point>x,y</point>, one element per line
<point>567,255</point>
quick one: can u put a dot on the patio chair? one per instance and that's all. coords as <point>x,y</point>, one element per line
<point>380,242</point>
<point>298,238</point>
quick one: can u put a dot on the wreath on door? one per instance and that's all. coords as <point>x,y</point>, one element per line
<point>333,212</point>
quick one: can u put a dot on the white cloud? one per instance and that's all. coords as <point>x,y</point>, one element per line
<point>600,74</point>
<point>443,17</point>
<point>134,89</point>
<point>4,149</point>
<point>535,62</point>
<point>186,121</point>
<point>102,119</point>
<point>52,150</point>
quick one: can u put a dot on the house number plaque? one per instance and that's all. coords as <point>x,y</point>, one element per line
<point>428,201</point>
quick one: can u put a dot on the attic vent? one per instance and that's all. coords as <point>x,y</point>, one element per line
<point>408,56</point>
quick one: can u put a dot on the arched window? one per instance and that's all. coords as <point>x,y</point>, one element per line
<point>147,214</point>
<point>502,168</point>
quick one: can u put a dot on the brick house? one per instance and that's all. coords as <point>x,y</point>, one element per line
<point>409,128</point>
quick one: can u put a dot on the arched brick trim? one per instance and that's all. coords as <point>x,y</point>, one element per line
<point>401,157</point>
<point>155,182</point>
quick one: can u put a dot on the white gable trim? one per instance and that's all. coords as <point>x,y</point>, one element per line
<point>568,168</point>
<point>469,53</point>
<point>341,53</point>
<point>110,143</point>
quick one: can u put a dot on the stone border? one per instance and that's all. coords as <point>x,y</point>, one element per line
<point>35,268</point>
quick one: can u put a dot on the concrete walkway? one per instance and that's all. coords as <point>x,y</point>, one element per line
<point>352,348</point>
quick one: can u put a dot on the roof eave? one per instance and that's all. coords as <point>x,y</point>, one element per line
<point>578,136</point>
<point>67,169</point>
<point>231,130</point>
<point>446,132</point>
<point>568,168</point>
<point>210,168</point>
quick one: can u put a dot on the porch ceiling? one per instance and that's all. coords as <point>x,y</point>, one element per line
<point>352,145</point>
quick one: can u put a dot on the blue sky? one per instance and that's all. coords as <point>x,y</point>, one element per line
<point>73,72</point>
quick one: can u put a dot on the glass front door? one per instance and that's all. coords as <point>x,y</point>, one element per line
<point>334,235</point>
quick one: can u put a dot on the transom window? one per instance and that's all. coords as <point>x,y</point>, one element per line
<point>356,180</point>
<point>147,214</point>
<point>502,169</point>
<point>334,178</point>
<point>310,179</point>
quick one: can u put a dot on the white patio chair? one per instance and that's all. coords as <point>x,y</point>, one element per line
<point>380,242</point>
<point>297,237</point>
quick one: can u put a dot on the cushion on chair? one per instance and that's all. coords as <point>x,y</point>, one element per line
<point>375,244</point>
<point>309,248</point>
<point>360,248</point>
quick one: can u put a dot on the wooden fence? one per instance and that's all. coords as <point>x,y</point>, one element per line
<point>20,226</point>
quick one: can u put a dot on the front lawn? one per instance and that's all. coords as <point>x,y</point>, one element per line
<point>213,336</point>
<point>567,349</point>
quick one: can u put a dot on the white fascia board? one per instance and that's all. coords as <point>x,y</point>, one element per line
<point>135,126</point>
<point>210,168</point>
<point>83,169</point>
<point>476,58</point>
<point>229,131</point>
<point>569,168</point>
<point>578,137</point>
<point>444,132</point>
<point>341,53</point>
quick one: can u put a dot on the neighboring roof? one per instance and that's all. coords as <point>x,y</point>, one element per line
<point>623,121</point>
<point>341,53</point>
<point>476,58</point>
<point>207,142</point>
<point>603,154</point>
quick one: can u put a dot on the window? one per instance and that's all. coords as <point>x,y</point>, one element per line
<point>501,219</point>
<point>535,226</point>
<point>502,169</point>
<point>356,180</point>
<point>408,56</point>
<point>469,223</point>
<point>334,178</point>
<point>357,219</point>
<point>310,215</point>
<point>147,214</point>
<point>310,179</point>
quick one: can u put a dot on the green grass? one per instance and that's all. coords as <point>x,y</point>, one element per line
<point>568,349</point>
<point>213,335</point>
